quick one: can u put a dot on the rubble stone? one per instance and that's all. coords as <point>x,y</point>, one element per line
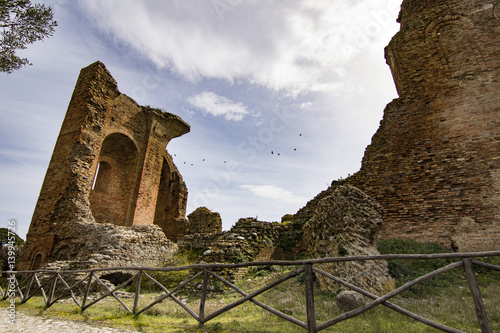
<point>348,300</point>
<point>345,222</point>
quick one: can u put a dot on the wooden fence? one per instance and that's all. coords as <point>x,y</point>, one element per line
<point>26,284</point>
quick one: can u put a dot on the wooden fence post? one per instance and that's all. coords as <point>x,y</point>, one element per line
<point>311,315</point>
<point>203,297</point>
<point>87,291</point>
<point>28,289</point>
<point>137,291</point>
<point>52,289</point>
<point>482,316</point>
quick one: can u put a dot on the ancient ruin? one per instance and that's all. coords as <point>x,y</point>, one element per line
<point>203,221</point>
<point>112,195</point>
<point>434,163</point>
<point>345,222</point>
<point>340,221</point>
<point>109,179</point>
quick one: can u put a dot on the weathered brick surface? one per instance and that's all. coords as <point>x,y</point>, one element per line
<point>434,163</point>
<point>203,221</point>
<point>108,137</point>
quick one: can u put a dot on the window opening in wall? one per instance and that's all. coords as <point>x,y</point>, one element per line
<point>95,176</point>
<point>37,261</point>
<point>102,177</point>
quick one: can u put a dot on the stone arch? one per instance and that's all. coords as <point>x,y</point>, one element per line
<point>453,37</point>
<point>37,260</point>
<point>168,203</point>
<point>115,181</point>
<point>102,175</point>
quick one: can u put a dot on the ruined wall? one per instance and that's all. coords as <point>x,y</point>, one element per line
<point>107,137</point>
<point>345,222</point>
<point>203,221</point>
<point>434,163</point>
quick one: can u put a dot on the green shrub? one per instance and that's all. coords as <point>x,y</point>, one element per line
<point>302,256</point>
<point>406,270</point>
<point>265,270</point>
<point>485,275</point>
<point>342,251</point>
<point>267,241</point>
<point>287,243</point>
<point>238,257</point>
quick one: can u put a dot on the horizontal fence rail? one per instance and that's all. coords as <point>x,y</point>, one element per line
<point>53,286</point>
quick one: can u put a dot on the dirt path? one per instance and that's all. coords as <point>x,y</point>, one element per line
<point>33,324</point>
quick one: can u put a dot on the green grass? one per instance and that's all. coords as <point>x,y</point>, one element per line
<point>445,299</point>
<point>452,307</point>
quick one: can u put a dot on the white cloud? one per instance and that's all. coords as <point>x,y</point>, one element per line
<point>306,105</point>
<point>293,46</point>
<point>275,193</point>
<point>216,105</point>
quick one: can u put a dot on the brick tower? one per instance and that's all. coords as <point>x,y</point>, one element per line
<point>109,165</point>
<point>434,163</point>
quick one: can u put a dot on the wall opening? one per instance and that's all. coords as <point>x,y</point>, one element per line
<point>102,176</point>
<point>37,261</point>
<point>454,38</point>
<point>163,210</point>
<point>115,181</point>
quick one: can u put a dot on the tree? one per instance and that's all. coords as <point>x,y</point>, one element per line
<point>9,240</point>
<point>22,24</point>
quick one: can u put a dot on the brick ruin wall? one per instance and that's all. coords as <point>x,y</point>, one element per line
<point>434,163</point>
<point>109,165</point>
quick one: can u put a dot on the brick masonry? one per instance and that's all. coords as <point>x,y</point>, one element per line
<point>434,163</point>
<point>109,165</point>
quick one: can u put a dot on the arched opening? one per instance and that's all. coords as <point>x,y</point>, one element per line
<point>453,36</point>
<point>37,261</point>
<point>168,202</point>
<point>459,49</point>
<point>115,181</point>
<point>164,199</point>
<point>102,175</point>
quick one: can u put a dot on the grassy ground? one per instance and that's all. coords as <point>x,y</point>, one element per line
<point>445,299</point>
<point>451,306</point>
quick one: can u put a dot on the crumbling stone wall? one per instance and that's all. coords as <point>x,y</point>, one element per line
<point>434,163</point>
<point>345,222</point>
<point>203,221</point>
<point>340,221</point>
<point>109,165</point>
<point>93,245</point>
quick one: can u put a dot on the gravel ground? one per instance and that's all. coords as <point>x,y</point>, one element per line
<point>32,324</point>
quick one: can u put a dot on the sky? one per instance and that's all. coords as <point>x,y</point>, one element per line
<point>282,96</point>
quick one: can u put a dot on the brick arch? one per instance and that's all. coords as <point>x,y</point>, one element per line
<point>38,258</point>
<point>115,181</point>
<point>496,10</point>
<point>453,37</point>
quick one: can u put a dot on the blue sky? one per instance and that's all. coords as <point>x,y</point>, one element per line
<point>282,96</point>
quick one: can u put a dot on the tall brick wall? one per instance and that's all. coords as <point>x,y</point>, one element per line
<point>434,163</point>
<point>107,167</point>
